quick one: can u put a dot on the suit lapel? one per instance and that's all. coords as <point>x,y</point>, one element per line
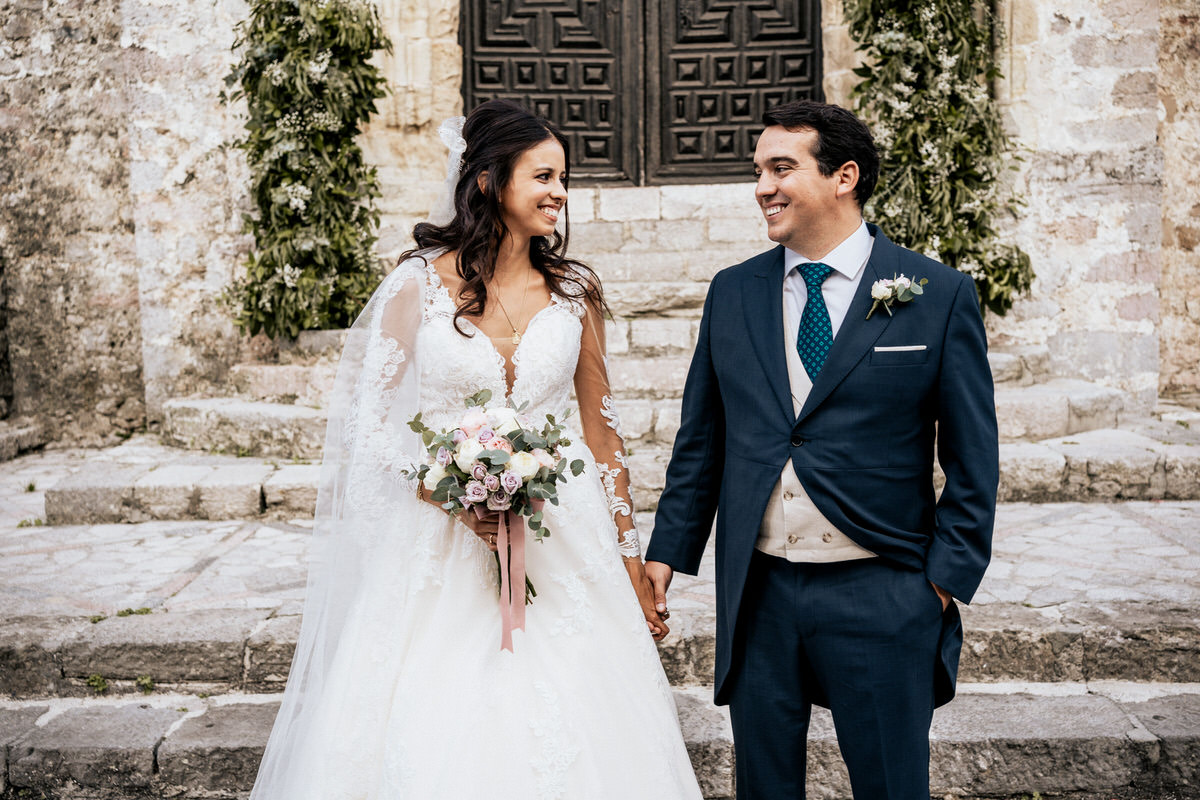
<point>762,303</point>
<point>857,333</point>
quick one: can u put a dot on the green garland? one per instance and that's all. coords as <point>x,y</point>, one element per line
<point>942,147</point>
<point>309,86</point>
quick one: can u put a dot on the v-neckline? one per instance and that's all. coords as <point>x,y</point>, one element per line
<point>501,361</point>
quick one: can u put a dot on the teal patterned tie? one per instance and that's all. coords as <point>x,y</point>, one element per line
<point>816,332</point>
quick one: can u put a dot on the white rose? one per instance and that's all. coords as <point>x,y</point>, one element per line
<point>881,290</point>
<point>524,464</point>
<point>503,420</point>
<point>473,421</point>
<point>466,453</point>
<point>434,477</point>
<point>902,283</point>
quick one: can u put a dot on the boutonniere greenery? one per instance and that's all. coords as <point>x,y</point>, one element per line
<point>897,290</point>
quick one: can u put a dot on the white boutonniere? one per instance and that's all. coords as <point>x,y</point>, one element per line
<point>897,290</point>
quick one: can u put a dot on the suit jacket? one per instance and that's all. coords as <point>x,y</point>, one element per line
<point>862,445</point>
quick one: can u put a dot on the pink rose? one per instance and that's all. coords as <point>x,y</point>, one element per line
<point>474,421</point>
<point>499,501</point>
<point>544,458</point>
<point>474,492</point>
<point>500,443</point>
<point>510,481</point>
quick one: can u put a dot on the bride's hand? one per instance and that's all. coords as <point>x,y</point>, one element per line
<point>645,595</point>
<point>485,527</point>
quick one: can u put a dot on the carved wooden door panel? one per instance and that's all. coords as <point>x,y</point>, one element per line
<point>655,92</point>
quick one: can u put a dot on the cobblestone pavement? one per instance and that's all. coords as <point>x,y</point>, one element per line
<point>1045,555</point>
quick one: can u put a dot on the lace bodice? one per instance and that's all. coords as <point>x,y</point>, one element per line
<point>561,350</point>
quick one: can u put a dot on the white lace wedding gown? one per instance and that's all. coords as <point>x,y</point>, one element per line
<point>400,688</point>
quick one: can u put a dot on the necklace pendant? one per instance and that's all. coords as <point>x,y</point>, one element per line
<point>516,338</point>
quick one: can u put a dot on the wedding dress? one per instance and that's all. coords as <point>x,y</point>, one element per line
<point>399,688</point>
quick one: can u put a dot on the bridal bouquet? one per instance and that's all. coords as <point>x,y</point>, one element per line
<point>496,459</point>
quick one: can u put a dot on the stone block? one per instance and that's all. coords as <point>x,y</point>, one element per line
<point>646,266</point>
<point>219,750</point>
<point>1112,464</point>
<point>98,748</point>
<point>240,427</point>
<point>1182,470</point>
<point>95,493</point>
<point>631,299</point>
<point>581,206</point>
<point>616,337</point>
<point>738,230</point>
<point>706,201</point>
<point>1138,641</point>
<point>233,491</point>
<point>709,738</point>
<point>666,423</point>
<point>622,204</point>
<point>1175,720</point>
<point>270,650</point>
<point>270,381</point>
<point>689,654</point>
<point>1031,412</point>
<point>637,419</point>
<point>1007,642</point>
<point>204,645</point>
<point>1091,406</point>
<point>292,489</point>
<point>31,654</point>
<point>651,336</point>
<point>15,723</point>
<point>1005,745</point>
<point>1031,472</point>
<point>596,237</point>
<point>650,236</point>
<point>170,492</point>
<point>650,377</point>
<point>1006,367</point>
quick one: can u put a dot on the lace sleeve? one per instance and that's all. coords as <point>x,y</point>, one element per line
<point>602,430</point>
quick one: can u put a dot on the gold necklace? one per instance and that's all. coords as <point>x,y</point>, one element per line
<point>516,336</point>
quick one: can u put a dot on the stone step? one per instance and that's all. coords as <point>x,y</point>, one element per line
<point>20,436</point>
<point>1055,408</point>
<point>1047,738</point>
<point>241,427</point>
<point>142,480</point>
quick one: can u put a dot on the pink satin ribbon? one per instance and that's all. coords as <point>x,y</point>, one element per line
<point>512,574</point>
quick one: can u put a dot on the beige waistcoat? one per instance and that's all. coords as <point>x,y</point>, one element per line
<point>792,526</point>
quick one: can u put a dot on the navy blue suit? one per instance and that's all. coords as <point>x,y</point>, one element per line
<point>863,448</point>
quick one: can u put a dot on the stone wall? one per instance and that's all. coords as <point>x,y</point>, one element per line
<point>1179,133</point>
<point>189,190</point>
<point>1081,97</point>
<point>66,224</point>
<point>6,394</point>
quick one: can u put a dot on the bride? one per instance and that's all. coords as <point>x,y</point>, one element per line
<point>399,687</point>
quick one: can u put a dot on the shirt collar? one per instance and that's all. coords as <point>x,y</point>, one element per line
<point>848,258</point>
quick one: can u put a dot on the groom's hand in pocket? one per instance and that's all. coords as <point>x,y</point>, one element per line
<point>943,595</point>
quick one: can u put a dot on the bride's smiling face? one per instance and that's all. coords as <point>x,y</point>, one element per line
<point>537,191</point>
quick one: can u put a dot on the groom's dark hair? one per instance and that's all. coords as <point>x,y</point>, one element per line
<point>841,137</point>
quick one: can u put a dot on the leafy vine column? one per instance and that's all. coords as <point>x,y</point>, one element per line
<point>310,86</point>
<point>925,87</point>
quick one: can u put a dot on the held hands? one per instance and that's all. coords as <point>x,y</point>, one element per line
<point>645,595</point>
<point>659,575</point>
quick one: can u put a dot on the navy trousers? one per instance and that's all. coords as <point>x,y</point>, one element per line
<point>859,637</point>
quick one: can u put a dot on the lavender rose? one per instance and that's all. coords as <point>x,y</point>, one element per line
<point>479,471</point>
<point>510,481</point>
<point>491,482</point>
<point>474,492</point>
<point>485,435</point>
<point>444,456</point>
<point>459,436</point>
<point>499,501</point>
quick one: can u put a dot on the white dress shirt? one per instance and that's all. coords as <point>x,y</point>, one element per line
<point>847,260</point>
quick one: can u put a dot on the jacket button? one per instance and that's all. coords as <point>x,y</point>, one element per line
<point>798,440</point>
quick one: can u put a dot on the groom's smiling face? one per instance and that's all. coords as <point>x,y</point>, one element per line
<point>797,200</point>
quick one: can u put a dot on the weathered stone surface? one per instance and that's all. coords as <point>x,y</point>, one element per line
<point>196,646</point>
<point>986,745</point>
<point>170,492</point>
<point>247,428</point>
<point>1092,406</point>
<point>649,377</point>
<point>1006,367</point>
<point>233,491</point>
<point>1009,642</point>
<point>292,489</point>
<point>220,749</point>
<point>1112,464</point>
<point>1031,472</point>
<point>30,654</point>
<point>1152,642</point>
<point>1031,412</point>
<point>269,651</point>
<point>689,653</point>
<point>93,494</point>
<point>101,748</point>
<point>655,298</point>
<point>274,382</point>
<point>709,739</point>
<point>17,436</point>
<point>15,723</point>
<point>312,346</point>
<point>1175,720</point>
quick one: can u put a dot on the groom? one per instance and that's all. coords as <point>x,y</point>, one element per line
<point>810,418</point>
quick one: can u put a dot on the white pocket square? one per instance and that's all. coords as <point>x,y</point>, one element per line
<point>901,349</point>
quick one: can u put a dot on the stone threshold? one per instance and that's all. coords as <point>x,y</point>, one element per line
<point>1044,738</point>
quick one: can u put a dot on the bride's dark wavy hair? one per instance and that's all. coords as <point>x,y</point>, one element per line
<point>497,133</point>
